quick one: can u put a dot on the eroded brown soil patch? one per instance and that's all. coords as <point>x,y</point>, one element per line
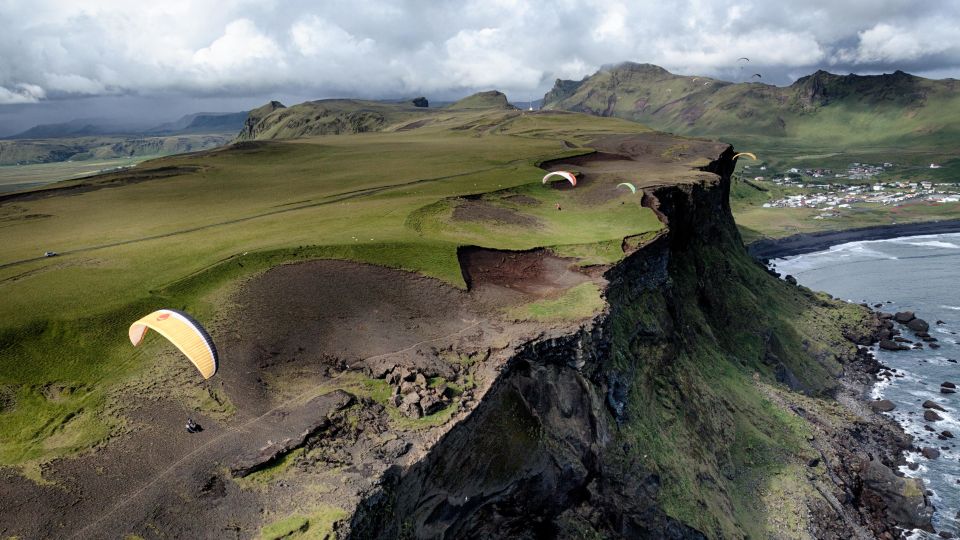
<point>480,210</point>
<point>535,272</point>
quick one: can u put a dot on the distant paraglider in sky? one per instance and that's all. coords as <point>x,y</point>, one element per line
<point>757,75</point>
<point>628,185</point>
<point>570,177</point>
<point>749,154</point>
<point>185,333</point>
<point>743,58</point>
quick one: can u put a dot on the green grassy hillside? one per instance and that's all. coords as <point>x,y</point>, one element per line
<point>182,228</point>
<point>821,109</point>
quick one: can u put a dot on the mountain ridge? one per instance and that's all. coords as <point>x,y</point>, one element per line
<point>822,105</point>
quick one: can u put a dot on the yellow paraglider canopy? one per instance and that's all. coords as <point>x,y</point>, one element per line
<point>751,154</point>
<point>184,332</point>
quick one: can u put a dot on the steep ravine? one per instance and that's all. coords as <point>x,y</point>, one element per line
<point>702,403</point>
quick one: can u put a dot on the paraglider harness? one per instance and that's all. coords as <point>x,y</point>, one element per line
<point>193,427</point>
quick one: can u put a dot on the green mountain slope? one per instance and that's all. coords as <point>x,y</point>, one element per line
<point>819,109</point>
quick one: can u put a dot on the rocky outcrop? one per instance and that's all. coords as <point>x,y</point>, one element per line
<point>322,408</point>
<point>253,126</point>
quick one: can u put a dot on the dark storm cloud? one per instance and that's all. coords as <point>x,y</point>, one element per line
<point>60,51</point>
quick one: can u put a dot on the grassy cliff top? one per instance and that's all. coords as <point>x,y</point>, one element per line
<point>178,231</point>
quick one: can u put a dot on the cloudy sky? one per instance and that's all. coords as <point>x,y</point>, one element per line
<point>152,61</point>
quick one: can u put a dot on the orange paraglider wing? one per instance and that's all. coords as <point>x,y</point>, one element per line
<point>185,333</point>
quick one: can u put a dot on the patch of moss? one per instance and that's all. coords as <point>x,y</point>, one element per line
<point>273,472</point>
<point>576,303</point>
<point>315,525</point>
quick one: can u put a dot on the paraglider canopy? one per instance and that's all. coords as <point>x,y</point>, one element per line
<point>184,332</point>
<point>750,154</point>
<point>757,75</point>
<point>628,185</point>
<point>569,176</point>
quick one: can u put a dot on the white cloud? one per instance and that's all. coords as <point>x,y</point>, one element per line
<point>377,48</point>
<point>888,43</point>
<point>241,46</point>
<point>487,58</point>
<point>21,93</point>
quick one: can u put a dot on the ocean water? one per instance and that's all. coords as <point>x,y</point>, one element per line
<point>919,274</point>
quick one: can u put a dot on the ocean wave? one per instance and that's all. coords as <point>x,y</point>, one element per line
<point>955,308</point>
<point>923,241</point>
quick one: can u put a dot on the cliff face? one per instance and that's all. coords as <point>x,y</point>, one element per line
<point>671,416</point>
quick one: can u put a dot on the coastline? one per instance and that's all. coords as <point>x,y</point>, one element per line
<point>799,244</point>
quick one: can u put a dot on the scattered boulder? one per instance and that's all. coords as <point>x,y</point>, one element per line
<point>790,279</point>
<point>899,339</point>
<point>884,315</point>
<point>947,434</point>
<point>918,325</point>
<point>928,404</point>
<point>889,345</point>
<point>882,405</point>
<point>394,448</point>
<point>945,390</point>
<point>903,317</point>
<point>432,404</point>
<point>933,346</point>
<point>931,416</point>
<point>930,452</point>
<point>880,305</point>
<point>420,102</point>
<point>948,384</point>
<point>411,410</point>
<point>939,322</point>
<point>903,496</point>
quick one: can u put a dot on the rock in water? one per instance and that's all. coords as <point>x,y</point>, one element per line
<point>918,325</point>
<point>928,404</point>
<point>889,345</point>
<point>948,384</point>
<point>930,453</point>
<point>903,317</point>
<point>931,416</point>
<point>882,405</point>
